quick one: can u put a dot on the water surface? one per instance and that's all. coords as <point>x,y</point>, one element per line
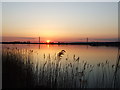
<point>78,64</point>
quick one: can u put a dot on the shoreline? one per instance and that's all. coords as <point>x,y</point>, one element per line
<point>77,43</point>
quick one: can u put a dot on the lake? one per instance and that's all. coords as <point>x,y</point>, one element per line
<point>60,66</point>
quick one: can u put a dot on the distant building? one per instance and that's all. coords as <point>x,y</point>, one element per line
<point>39,40</point>
<point>87,39</point>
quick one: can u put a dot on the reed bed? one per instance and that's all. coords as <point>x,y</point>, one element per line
<point>22,68</point>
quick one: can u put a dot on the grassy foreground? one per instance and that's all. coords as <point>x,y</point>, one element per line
<point>21,69</point>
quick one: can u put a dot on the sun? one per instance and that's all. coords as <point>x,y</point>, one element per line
<point>48,41</point>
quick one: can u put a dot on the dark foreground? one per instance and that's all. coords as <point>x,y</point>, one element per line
<point>19,71</point>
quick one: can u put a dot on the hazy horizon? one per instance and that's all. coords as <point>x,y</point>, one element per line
<point>61,21</point>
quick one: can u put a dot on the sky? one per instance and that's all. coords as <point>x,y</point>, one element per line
<point>60,21</point>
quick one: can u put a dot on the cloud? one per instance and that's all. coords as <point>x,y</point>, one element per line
<point>25,38</point>
<point>108,39</point>
<point>19,37</point>
<point>99,39</point>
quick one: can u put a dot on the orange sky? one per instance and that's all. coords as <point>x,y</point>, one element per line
<point>67,22</point>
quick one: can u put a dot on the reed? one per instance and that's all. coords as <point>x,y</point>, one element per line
<point>22,69</point>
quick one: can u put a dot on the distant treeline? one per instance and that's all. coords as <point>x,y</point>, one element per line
<point>71,43</point>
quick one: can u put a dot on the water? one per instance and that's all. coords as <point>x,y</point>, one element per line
<point>80,66</point>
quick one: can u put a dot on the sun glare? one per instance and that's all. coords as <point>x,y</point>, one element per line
<point>48,41</point>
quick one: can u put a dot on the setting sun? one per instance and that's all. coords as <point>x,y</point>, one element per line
<point>48,41</point>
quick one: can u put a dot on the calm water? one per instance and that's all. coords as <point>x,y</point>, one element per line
<point>90,54</point>
<point>80,66</point>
